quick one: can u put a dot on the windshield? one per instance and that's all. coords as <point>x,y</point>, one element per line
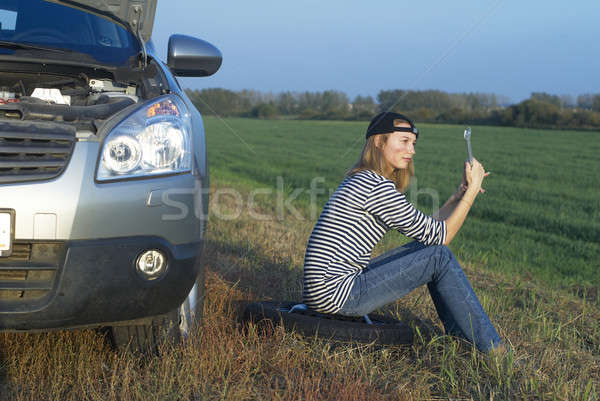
<point>51,25</point>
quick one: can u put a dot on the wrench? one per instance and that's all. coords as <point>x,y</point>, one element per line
<point>468,139</point>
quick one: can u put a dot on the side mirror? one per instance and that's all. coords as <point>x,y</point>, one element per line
<point>191,57</point>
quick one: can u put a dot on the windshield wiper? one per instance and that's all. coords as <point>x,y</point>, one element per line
<point>17,45</point>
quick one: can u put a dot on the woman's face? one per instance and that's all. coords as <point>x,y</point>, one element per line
<point>399,149</point>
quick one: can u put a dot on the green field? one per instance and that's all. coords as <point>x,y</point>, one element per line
<point>539,217</point>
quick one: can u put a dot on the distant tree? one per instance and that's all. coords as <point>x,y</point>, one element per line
<point>585,101</point>
<point>505,116</point>
<point>217,101</point>
<point>480,101</point>
<point>287,103</point>
<point>585,119</point>
<point>596,103</point>
<point>475,101</point>
<point>422,114</point>
<point>388,99</point>
<point>250,98</point>
<point>567,101</point>
<point>328,104</point>
<point>502,101</point>
<point>334,101</point>
<point>547,98</point>
<point>309,101</point>
<point>535,113</point>
<point>430,99</point>
<point>363,107</point>
<point>264,111</point>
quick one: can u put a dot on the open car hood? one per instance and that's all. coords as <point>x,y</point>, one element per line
<point>134,14</point>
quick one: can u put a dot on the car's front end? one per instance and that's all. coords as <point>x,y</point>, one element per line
<point>103,172</point>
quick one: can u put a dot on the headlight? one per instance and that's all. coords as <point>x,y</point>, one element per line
<point>122,154</point>
<point>153,140</point>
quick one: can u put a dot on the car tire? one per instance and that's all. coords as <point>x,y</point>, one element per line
<point>190,312</point>
<point>383,331</point>
<point>148,336</point>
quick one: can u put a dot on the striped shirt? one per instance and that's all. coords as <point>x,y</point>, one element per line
<point>363,208</point>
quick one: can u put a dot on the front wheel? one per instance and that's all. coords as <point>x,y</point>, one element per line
<point>147,335</point>
<point>189,309</point>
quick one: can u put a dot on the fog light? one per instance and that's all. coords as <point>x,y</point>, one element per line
<point>151,264</point>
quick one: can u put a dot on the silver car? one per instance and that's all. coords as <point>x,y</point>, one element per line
<point>103,171</point>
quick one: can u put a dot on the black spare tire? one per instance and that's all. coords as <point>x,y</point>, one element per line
<point>383,330</point>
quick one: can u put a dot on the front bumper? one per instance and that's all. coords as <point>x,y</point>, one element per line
<point>94,282</point>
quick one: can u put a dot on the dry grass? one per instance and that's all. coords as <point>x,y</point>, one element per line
<point>555,335</point>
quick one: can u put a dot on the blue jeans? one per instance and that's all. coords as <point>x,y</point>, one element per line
<point>396,273</point>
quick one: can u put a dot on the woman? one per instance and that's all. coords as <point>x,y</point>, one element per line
<point>339,276</point>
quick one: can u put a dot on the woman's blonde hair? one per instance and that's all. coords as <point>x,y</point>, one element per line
<point>371,158</point>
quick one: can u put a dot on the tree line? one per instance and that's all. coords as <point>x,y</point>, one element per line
<point>540,110</point>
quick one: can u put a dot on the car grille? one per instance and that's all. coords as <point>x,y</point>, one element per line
<point>31,151</point>
<point>29,272</point>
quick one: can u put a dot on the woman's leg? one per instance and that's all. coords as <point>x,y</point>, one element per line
<point>400,271</point>
<point>459,308</point>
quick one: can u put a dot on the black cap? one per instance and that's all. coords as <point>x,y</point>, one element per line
<point>383,123</point>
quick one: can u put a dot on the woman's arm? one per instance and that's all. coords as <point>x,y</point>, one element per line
<point>455,209</point>
<point>446,210</point>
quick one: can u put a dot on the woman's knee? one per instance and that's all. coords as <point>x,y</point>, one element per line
<point>446,259</point>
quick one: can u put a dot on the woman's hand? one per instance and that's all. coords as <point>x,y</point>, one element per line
<point>462,188</point>
<point>473,176</point>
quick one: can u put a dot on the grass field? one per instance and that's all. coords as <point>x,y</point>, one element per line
<point>530,248</point>
<point>540,214</point>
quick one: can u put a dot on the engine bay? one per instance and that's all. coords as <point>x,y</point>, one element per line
<point>83,99</point>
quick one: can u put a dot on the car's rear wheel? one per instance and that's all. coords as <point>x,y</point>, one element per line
<point>148,336</point>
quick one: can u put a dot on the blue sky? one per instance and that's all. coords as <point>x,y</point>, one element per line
<point>510,48</point>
